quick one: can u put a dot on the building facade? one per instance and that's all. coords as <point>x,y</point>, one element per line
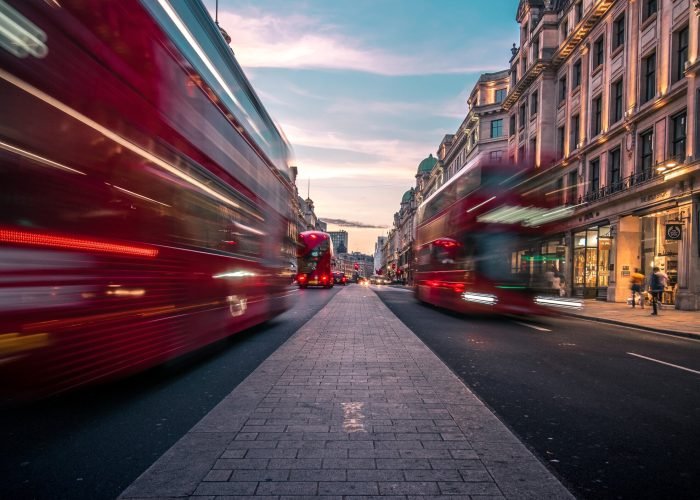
<point>604,97</point>
<point>379,262</point>
<point>606,93</point>
<point>340,241</point>
<point>483,134</point>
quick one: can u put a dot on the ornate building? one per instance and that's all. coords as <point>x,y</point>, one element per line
<point>483,134</point>
<point>606,92</point>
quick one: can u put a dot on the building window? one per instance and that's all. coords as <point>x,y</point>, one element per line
<point>649,8</point>
<point>496,155</point>
<point>500,95</point>
<point>532,148</point>
<point>565,29</point>
<point>514,75</point>
<point>578,12</point>
<point>599,52</point>
<point>618,38</point>
<point>646,149</point>
<point>680,53</point>
<point>597,116</point>
<point>562,89</point>
<point>536,49</point>
<point>534,103</point>
<point>594,175</point>
<point>617,103</point>
<point>678,123</point>
<point>576,75</point>
<point>521,153</point>
<point>575,128</point>
<point>614,169</point>
<point>560,142</point>
<point>648,77</point>
<point>573,187</point>
<point>523,114</point>
<point>496,128</point>
<point>696,151</point>
<point>512,125</point>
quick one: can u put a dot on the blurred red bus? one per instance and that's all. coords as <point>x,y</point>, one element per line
<point>314,259</point>
<point>145,192</point>
<point>477,244</point>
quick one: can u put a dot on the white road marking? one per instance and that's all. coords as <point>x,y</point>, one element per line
<point>386,288</point>
<point>664,363</point>
<point>534,327</point>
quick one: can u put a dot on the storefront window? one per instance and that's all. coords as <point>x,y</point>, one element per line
<point>592,260</point>
<point>658,251</point>
<point>579,259</point>
<point>604,247</point>
<point>592,257</point>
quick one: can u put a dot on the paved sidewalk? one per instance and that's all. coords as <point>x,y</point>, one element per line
<point>352,406</point>
<point>669,320</point>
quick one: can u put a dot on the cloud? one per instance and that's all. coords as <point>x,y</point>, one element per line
<point>353,224</point>
<point>264,40</point>
<point>394,150</point>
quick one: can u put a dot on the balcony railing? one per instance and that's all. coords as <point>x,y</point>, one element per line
<point>624,184</point>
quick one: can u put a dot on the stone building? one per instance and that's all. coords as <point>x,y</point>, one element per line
<point>606,93</point>
<point>483,134</point>
<point>311,221</point>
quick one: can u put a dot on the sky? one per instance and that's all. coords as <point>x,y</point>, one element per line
<point>364,90</point>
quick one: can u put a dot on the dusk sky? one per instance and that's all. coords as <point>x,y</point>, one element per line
<point>364,90</point>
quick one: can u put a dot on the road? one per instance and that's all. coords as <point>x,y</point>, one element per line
<point>95,442</point>
<point>608,422</point>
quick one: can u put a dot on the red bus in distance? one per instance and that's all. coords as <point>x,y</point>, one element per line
<point>145,193</point>
<point>314,259</point>
<point>478,244</point>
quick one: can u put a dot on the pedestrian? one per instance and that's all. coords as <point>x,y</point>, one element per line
<point>636,281</point>
<point>556,283</point>
<point>658,283</point>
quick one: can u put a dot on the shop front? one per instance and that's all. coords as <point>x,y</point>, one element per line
<point>591,261</point>
<point>661,242</point>
<point>542,264</point>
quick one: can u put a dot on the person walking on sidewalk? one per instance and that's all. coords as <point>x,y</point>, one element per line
<point>636,281</point>
<point>658,283</point>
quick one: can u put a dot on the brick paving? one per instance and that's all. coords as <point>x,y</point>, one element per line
<point>352,406</point>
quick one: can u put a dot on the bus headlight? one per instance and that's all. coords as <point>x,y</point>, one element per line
<point>480,298</point>
<point>562,302</point>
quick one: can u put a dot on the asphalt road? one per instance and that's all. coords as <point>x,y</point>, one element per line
<point>95,442</point>
<point>607,422</point>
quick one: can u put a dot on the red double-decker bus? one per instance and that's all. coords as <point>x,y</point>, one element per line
<point>314,259</point>
<point>145,192</point>
<point>477,243</point>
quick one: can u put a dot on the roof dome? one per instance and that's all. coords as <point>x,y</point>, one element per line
<point>427,165</point>
<point>406,198</point>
